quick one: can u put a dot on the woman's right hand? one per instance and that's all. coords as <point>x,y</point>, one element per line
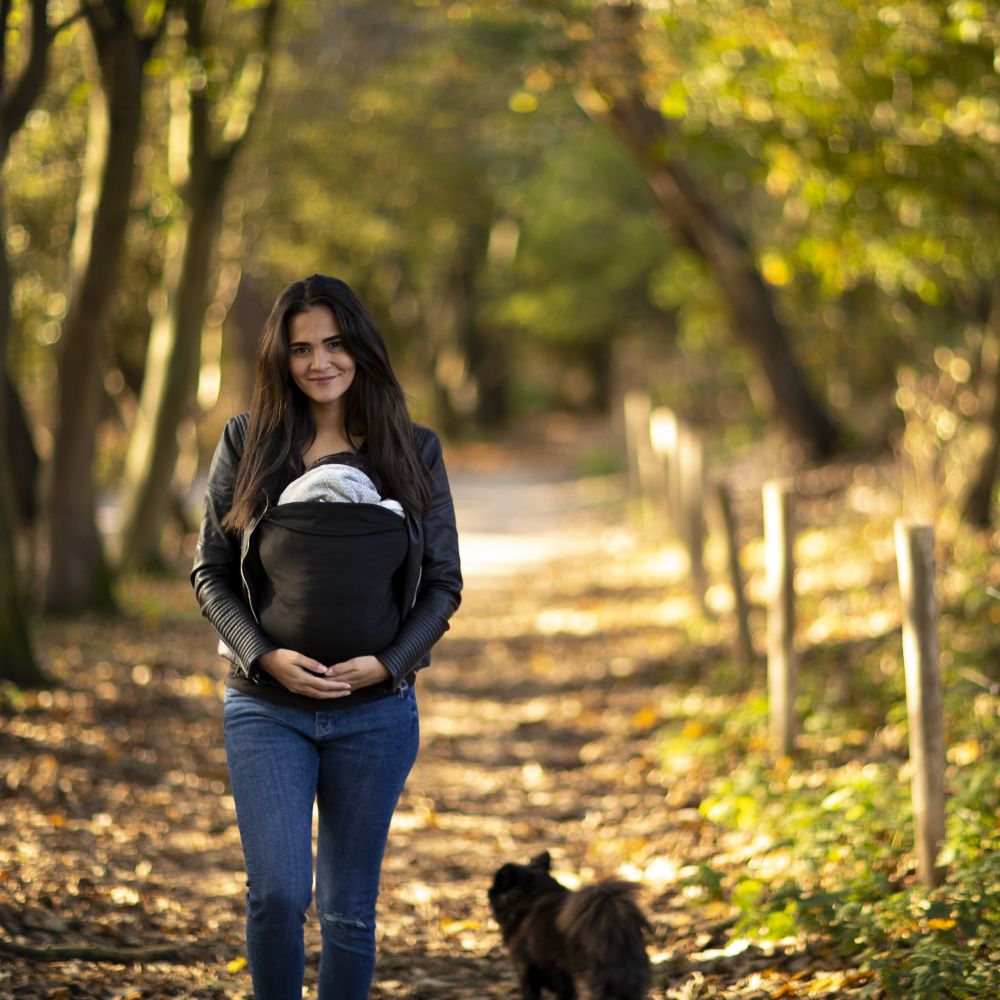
<point>302,674</point>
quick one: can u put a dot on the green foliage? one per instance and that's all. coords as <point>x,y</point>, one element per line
<point>827,834</point>
<point>841,882</point>
<point>600,462</point>
<point>435,155</point>
<point>833,852</point>
<point>588,246</point>
<point>933,945</point>
<point>707,878</point>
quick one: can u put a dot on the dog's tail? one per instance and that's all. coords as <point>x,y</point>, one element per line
<point>603,924</point>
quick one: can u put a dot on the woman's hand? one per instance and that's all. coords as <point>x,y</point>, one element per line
<point>359,672</point>
<point>304,675</point>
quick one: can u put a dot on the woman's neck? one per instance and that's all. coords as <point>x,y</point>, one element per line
<point>331,434</point>
<point>329,419</point>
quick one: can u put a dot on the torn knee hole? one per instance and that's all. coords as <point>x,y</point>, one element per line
<point>345,920</point>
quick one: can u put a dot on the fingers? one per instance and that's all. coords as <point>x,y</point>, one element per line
<point>303,675</point>
<point>360,671</point>
<point>319,687</point>
<point>313,666</point>
<point>315,681</point>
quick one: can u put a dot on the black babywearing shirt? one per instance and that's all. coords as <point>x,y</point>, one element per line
<point>328,585</point>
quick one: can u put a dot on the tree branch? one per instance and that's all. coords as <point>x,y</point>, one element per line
<point>255,91</point>
<point>6,7</point>
<point>613,92</point>
<point>15,107</point>
<point>84,10</point>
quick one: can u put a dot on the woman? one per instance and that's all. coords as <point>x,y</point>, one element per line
<point>326,610</point>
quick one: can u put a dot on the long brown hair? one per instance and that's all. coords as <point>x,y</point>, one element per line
<point>281,424</point>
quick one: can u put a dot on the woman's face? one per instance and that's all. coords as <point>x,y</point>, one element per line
<point>317,361</point>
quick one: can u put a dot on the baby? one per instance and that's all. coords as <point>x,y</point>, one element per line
<point>336,482</point>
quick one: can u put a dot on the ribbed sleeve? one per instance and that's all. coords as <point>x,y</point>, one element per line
<point>423,627</point>
<point>440,591</point>
<point>221,600</point>
<point>216,573</point>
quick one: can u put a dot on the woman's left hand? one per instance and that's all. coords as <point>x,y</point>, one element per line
<point>359,672</point>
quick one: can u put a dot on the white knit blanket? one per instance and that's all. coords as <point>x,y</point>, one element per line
<point>334,483</point>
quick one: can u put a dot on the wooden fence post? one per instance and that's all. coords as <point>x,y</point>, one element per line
<point>635,406</point>
<point>743,644</point>
<point>691,461</point>
<point>664,432</point>
<point>779,541</point>
<point>681,468</point>
<point>915,563</point>
<point>645,477</point>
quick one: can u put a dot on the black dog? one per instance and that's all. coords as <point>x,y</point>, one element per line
<point>584,945</point>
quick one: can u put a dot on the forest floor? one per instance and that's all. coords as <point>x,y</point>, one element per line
<point>543,720</point>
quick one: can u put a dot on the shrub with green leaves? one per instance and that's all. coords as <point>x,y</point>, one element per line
<point>840,838</point>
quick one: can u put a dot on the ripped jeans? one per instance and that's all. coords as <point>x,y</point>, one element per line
<point>352,762</point>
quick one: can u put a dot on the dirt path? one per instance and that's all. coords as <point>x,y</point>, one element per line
<point>535,734</point>
<point>506,711</point>
<point>542,727</point>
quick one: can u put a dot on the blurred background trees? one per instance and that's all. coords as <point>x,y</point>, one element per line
<point>214,95</point>
<point>779,218</point>
<point>75,575</point>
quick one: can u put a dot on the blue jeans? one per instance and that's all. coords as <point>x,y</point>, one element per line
<point>354,763</point>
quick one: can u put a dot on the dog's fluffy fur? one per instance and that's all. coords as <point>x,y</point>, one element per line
<point>583,945</point>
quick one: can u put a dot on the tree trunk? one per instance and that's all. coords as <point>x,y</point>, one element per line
<point>598,356</point>
<point>615,75</point>
<point>486,361</point>
<point>174,356</point>
<point>21,452</point>
<point>978,506</point>
<point>77,576</point>
<point>469,368</point>
<point>17,660</point>
<point>169,382</point>
<point>489,363</point>
<point>19,96</point>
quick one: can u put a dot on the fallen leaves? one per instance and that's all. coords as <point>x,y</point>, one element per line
<point>543,721</point>
<point>831,984</point>
<point>941,923</point>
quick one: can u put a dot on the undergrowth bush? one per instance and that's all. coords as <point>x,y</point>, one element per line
<point>829,833</point>
<point>833,845</point>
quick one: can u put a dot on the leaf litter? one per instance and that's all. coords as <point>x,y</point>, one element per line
<point>543,726</point>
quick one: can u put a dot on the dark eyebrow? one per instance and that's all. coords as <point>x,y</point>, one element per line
<point>306,343</point>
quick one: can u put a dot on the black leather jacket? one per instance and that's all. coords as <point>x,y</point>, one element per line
<point>225,568</point>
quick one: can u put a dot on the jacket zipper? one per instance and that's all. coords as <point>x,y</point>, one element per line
<point>244,549</point>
